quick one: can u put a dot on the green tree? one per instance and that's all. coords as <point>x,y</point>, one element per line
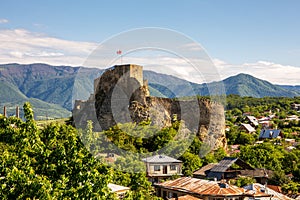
<point>50,163</point>
<point>191,162</point>
<point>245,139</point>
<point>264,155</point>
<point>243,181</point>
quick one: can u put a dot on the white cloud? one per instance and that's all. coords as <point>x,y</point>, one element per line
<point>3,21</point>
<point>22,46</point>
<point>270,71</point>
<point>193,46</point>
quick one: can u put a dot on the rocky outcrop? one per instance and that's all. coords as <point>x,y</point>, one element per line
<point>122,96</point>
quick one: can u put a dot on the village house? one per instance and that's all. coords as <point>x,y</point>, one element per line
<point>247,128</point>
<point>270,134</point>
<point>199,188</point>
<point>202,172</point>
<point>161,167</point>
<point>247,114</point>
<point>292,118</point>
<point>232,168</point>
<point>224,169</point>
<point>265,122</point>
<point>193,188</point>
<point>261,192</point>
<point>119,190</point>
<point>234,148</point>
<point>252,120</point>
<point>295,106</point>
<point>290,141</point>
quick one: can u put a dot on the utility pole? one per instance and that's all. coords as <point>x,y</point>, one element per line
<point>17,112</point>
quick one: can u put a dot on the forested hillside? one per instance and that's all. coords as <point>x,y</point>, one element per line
<point>57,87</point>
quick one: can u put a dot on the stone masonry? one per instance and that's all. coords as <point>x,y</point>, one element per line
<point>121,95</point>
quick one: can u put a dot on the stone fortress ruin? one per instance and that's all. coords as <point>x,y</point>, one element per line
<point>121,95</point>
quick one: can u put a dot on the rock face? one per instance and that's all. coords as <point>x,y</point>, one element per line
<point>121,95</point>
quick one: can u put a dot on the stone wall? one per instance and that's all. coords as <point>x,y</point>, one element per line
<point>121,95</point>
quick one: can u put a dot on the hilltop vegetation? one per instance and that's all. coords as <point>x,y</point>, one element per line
<point>58,86</point>
<point>52,163</point>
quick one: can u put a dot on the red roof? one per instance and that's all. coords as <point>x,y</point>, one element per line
<point>275,188</point>
<point>186,197</point>
<point>202,187</point>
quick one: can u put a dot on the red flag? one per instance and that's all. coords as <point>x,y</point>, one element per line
<point>119,52</point>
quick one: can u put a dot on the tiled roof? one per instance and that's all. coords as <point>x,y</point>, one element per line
<point>259,190</point>
<point>161,159</point>
<point>202,187</point>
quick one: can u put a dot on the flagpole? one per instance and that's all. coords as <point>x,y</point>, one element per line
<point>119,52</point>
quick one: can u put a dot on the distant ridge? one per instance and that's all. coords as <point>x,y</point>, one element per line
<point>48,86</point>
<point>247,85</point>
<point>241,84</point>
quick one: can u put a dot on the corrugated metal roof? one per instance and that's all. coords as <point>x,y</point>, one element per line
<point>117,188</point>
<point>253,120</point>
<point>224,164</point>
<point>202,187</point>
<point>259,190</point>
<point>248,127</point>
<point>161,159</point>
<point>204,168</point>
<point>268,133</point>
<point>186,197</point>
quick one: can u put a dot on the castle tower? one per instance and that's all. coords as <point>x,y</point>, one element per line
<point>114,91</point>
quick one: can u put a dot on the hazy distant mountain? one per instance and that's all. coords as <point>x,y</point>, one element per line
<point>295,88</point>
<point>247,85</point>
<point>241,84</point>
<point>50,88</point>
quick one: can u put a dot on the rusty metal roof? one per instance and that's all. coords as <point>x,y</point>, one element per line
<point>202,187</point>
<point>186,197</point>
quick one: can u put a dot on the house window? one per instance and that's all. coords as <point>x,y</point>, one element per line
<point>172,167</point>
<point>156,167</point>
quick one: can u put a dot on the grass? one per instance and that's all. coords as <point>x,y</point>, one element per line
<point>44,123</point>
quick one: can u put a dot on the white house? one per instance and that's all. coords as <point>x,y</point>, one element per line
<point>160,167</point>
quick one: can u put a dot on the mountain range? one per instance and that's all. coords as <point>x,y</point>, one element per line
<point>53,89</point>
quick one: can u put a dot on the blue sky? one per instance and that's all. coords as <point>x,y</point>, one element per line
<point>237,34</point>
